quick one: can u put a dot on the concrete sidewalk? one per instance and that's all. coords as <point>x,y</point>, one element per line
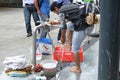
<point>14,42</point>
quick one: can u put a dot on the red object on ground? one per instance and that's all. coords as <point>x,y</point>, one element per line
<point>38,68</point>
<point>66,55</point>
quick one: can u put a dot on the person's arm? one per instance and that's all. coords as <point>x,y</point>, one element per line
<point>54,22</point>
<point>63,36</point>
<point>70,29</point>
<point>70,35</point>
<point>69,44</point>
<point>37,6</point>
<point>63,27</point>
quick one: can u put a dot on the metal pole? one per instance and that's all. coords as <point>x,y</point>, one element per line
<point>109,40</point>
<point>34,44</point>
<point>34,47</point>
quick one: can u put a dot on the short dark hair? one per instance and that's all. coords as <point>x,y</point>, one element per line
<point>55,4</point>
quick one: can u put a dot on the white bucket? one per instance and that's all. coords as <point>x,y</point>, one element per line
<point>49,67</point>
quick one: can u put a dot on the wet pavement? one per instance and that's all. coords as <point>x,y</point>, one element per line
<point>14,42</point>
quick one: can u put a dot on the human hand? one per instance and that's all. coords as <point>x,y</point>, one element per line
<point>39,12</point>
<point>51,22</point>
<point>38,68</point>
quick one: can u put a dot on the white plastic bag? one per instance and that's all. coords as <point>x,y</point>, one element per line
<point>38,54</point>
<point>45,46</point>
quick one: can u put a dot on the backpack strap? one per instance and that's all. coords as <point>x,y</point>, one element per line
<point>90,7</point>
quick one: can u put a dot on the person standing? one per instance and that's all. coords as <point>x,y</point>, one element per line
<point>43,10</point>
<point>29,9</point>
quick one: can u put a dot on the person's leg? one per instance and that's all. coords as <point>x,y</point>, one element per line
<point>35,17</point>
<point>27,17</point>
<point>59,35</point>
<point>44,18</point>
<point>78,37</point>
<point>70,29</point>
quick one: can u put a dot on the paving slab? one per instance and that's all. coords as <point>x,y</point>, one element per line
<point>13,41</point>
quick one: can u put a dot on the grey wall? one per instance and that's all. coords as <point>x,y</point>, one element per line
<point>11,3</point>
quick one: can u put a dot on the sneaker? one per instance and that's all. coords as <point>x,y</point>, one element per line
<point>29,34</point>
<point>59,41</point>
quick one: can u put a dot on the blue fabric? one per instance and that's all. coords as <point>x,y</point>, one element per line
<point>45,40</point>
<point>62,21</point>
<point>45,10</point>
<point>18,74</point>
<point>45,7</point>
<point>64,1</point>
<point>27,16</point>
<point>43,32</point>
<point>78,38</point>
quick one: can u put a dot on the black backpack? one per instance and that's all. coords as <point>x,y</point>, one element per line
<point>76,13</point>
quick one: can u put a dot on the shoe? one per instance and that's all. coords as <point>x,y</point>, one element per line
<point>59,41</point>
<point>29,34</point>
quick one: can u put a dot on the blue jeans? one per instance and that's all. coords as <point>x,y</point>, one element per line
<point>78,38</point>
<point>70,25</point>
<point>27,17</point>
<point>43,18</point>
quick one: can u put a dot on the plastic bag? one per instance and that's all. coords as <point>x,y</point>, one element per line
<point>45,46</point>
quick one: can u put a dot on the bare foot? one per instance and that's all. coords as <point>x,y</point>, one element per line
<point>75,69</point>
